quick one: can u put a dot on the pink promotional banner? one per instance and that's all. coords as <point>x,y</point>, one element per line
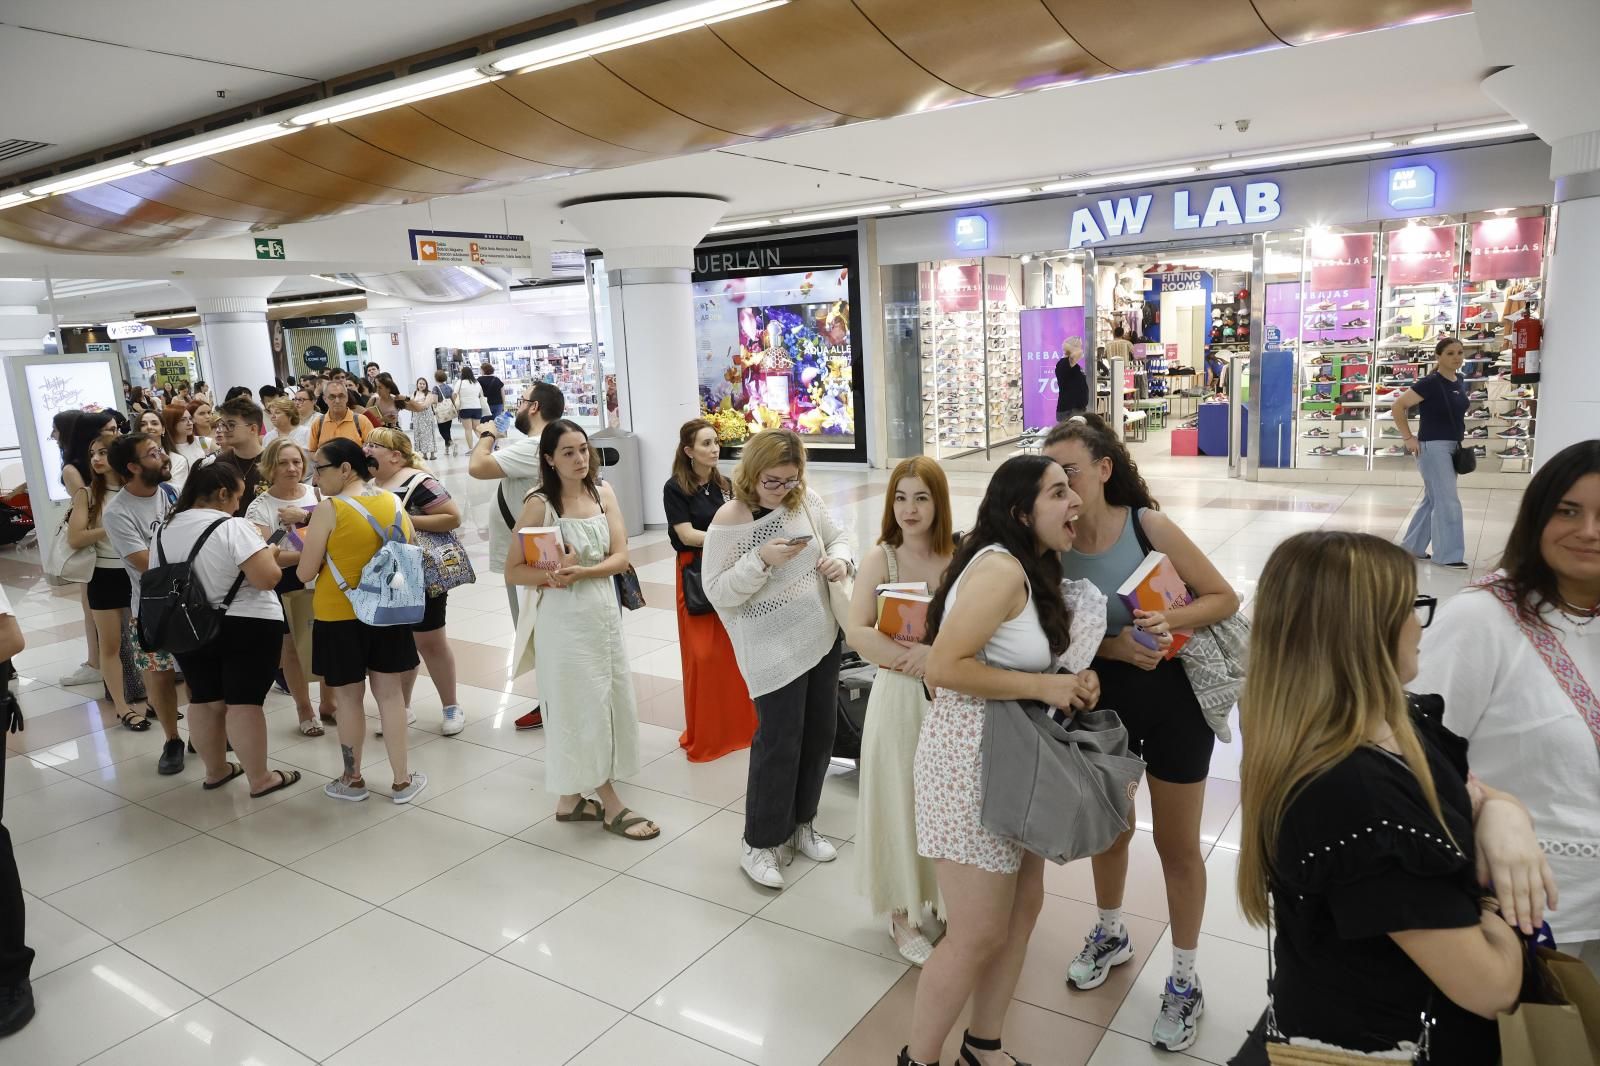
<point>1507,248</point>
<point>1419,255</point>
<point>1341,261</point>
<point>1044,331</point>
<point>958,287</point>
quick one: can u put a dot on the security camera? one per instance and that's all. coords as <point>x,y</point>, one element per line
<point>1241,124</point>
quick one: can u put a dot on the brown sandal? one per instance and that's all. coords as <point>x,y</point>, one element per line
<point>285,779</point>
<point>587,810</point>
<point>622,823</point>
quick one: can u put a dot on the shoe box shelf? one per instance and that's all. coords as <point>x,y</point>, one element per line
<point>952,378</point>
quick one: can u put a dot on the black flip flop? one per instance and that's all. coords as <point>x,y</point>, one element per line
<point>285,779</point>
<point>234,770</point>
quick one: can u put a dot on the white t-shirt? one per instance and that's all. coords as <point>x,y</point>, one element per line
<point>469,396</point>
<point>301,434</point>
<point>180,469</point>
<point>1527,738</point>
<point>263,510</point>
<point>131,521</point>
<point>217,565</point>
<point>519,462</point>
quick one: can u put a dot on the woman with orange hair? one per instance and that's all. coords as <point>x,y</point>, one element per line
<point>718,714</point>
<point>915,546</point>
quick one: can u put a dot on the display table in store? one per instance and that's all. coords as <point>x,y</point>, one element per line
<point>1155,408</point>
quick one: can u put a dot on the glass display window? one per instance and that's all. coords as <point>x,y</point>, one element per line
<point>970,365</point>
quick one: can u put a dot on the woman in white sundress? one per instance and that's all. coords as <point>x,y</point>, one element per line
<point>591,724</point>
<point>424,426</point>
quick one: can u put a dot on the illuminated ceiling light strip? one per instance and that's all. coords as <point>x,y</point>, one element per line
<point>395,97</point>
<point>845,212</point>
<point>1364,148</point>
<point>221,143</point>
<point>1126,178</point>
<point>726,227</point>
<point>17,199</point>
<point>170,317</point>
<point>85,178</point>
<point>314,302</point>
<point>1475,133</point>
<point>966,198</point>
<point>608,34</point>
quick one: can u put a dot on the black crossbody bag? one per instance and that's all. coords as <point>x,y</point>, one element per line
<point>1465,460</point>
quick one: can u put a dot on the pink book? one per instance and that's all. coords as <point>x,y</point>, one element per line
<point>1156,586</point>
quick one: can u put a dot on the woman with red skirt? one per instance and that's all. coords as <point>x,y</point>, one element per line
<point>717,710</point>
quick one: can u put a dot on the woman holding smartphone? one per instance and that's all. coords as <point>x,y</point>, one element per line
<point>286,503</point>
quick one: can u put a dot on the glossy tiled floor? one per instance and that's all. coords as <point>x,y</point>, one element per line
<point>188,927</point>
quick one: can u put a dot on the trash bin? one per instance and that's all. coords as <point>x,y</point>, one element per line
<point>618,451</point>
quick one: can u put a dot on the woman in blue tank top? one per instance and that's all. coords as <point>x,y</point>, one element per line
<point>1152,695</point>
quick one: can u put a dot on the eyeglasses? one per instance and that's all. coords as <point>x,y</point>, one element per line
<point>773,484</point>
<point>1424,607</point>
<point>327,466</point>
<point>228,426</point>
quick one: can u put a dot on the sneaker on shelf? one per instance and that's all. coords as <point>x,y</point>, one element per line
<point>1514,451</point>
<point>1102,949</point>
<point>812,844</point>
<point>1357,305</point>
<point>1514,431</point>
<point>1321,416</point>
<point>760,865</point>
<point>1393,451</point>
<point>1354,449</point>
<point>1387,393</point>
<point>1354,379</point>
<point>1522,392</point>
<point>532,720</point>
<point>1481,414</point>
<point>1487,296</point>
<point>1478,432</point>
<point>1398,340</point>
<point>1443,318</point>
<point>1320,360</point>
<point>1491,315</point>
<point>1354,431</point>
<point>1178,1024</point>
<point>1316,431</point>
<point>1524,293</point>
<point>171,761</point>
<point>1390,431</point>
<point>1404,301</point>
<point>455,720</point>
<point>1398,380</point>
<point>1320,450</point>
<point>1447,296</point>
<point>1482,451</point>
<point>1478,394</point>
<point>83,675</point>
<point>1357,323</point>
<point>1520,410</point>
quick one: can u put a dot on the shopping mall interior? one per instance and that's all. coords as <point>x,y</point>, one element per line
<point>1253,229</point>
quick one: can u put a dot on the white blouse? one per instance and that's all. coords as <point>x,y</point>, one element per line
<point>1527,738</point>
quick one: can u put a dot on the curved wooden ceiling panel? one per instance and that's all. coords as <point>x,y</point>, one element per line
<point>852,68</point>
<point>701,78</point>
<point>1038,51</point>
<point>807,65</point>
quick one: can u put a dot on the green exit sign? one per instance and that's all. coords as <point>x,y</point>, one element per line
<point>269,248</point>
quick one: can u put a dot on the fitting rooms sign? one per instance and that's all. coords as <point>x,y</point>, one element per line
<point>1227,204</point>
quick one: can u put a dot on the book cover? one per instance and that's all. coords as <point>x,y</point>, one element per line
<point>541,546</point>
<point>1156,586</point>
<point>903,616</point>
<point>918,587</point>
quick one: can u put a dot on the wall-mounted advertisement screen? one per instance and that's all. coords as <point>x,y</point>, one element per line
<point>55,387</point>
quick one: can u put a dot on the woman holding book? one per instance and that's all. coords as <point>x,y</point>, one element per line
<point>591,723</point>
<point>1152,695</point>
<point>718,714</point>
<point>914,548</point>
<point>769,556</point>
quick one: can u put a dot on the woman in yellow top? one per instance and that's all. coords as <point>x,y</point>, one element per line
<point>345,652</point>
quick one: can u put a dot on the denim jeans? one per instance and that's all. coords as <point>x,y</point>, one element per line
<point>1438,517</point>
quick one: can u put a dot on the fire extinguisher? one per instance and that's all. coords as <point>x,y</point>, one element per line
<point>1526,334</point>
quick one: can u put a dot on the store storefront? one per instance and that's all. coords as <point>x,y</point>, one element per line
<point>1323,291</point>
<point>777,344</point>
<point>319,342</point>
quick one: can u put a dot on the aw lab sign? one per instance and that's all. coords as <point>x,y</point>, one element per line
<point>1256,203</point>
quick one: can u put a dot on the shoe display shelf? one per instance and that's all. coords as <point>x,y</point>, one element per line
<point>1501,414</point>
<point>1004,368</point>
<point>952,371</point>
<point>1333,424</point>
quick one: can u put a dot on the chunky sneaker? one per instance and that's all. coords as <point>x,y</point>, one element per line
<point>1178,1024</point>
<point>455,720</point>
<point>1101,951</point>
<point>761,865</point>
<point>83,675</point>
<point>812,844</point>
<point>532,720</point>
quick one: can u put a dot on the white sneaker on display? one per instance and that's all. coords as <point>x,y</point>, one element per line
<point>761,865</point>
<point>812,844</point>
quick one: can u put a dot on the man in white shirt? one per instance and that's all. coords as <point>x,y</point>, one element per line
<point>515,470</point>
<point>131,519</point>
<point>16,957</point>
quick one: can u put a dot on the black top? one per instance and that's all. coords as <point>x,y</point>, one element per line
<point>494,390</point>
<point>697,508</point>
<point>1360,856</point>
<point>1072,386</point>
<point>1443,408</point>
<point>248,470</point>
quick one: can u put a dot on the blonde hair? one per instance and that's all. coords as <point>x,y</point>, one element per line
<point>1324,671</point>
<point>931,474</point>
<point>268,463</point>
<point>285,408</point>
<point>762,452</point>
<point>394,439</point>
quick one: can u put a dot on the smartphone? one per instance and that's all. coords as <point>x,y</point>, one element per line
<point>802,539</point>
<point>502,421</point>
<point>277,535</point>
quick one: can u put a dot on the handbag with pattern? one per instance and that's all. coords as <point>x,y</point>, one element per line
<point>444,561</point>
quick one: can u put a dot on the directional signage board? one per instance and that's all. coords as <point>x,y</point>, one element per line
<point>470,249</point>
<point>269,248</point>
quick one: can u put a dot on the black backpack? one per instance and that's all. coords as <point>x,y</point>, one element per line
<point>175,615</point>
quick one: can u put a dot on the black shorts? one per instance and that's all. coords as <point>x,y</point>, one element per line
<point>239,666</point>
<point>343,652</point>
<point>1166,727</point>
<point>109,589</point>
<point>432,613</point>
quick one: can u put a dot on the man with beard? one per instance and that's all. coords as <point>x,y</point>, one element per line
<point>131,519</point>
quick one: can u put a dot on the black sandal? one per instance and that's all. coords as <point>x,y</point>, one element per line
<point>905,1059</point>
<point>285,779</point>
<point>128,717</point>
<point>975,1044</point>
<point>234,770</point>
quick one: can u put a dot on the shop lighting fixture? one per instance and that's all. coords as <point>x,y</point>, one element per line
<point>728,227</point>
<point>221,143</point>
<point>1116,179</point>
<point>85,178</point>
<point>844,212</point>
<point>408,93</point>
<point>170,317</point>
<point>1364,148</point>
<point>16,199</point>
<point>604,35</point>
<point>314,302</point>
<point>966,198</point>
<point>1474,133</point>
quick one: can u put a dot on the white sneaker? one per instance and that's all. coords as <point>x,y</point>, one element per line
<point>812,844</point>
<point>83,675</point>
<point>761,865</point>
<point>455,720</point>
<point>411,719</point>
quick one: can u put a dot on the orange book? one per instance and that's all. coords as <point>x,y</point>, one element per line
<point>1156,586</point>
<point>541,546</point>
<point>903,616</point>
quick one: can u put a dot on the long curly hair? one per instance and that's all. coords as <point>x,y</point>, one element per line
<point>1125,487</point>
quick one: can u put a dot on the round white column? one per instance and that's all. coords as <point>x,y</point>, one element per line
<point>1569,387</point>
<point>22,329</point>
<point>648,243</point>
<point>233,331</point>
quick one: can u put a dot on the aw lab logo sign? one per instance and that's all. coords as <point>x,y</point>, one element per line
<point>1224,206</point>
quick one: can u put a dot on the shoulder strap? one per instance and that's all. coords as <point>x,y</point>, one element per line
<point>411,486</point>
<point>377,527</point>
<point>1554,653</point>
<point>505,511</point>
<point>1138,530</point>
<point>1444,397</point>
<point>894,565</point>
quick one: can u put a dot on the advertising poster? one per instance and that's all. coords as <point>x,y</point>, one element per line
<point>1341,261</point>
<point>774,352</point>
<point>957,287</point>
<point>1507,248</point>
<point>1044,331</point>
<point>54,387</point>
<point>1420,255</point>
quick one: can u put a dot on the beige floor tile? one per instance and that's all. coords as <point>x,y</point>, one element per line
<point>507,799</point>
<point>587,841</point>
<point>56,938</point>
<point>704,862</point>
<point>79,852</point>
<point>202,1035</point>
<point>43,811</point>
<point>633,1040</point>
<point>396,855</point>
<point>93,1004</point>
